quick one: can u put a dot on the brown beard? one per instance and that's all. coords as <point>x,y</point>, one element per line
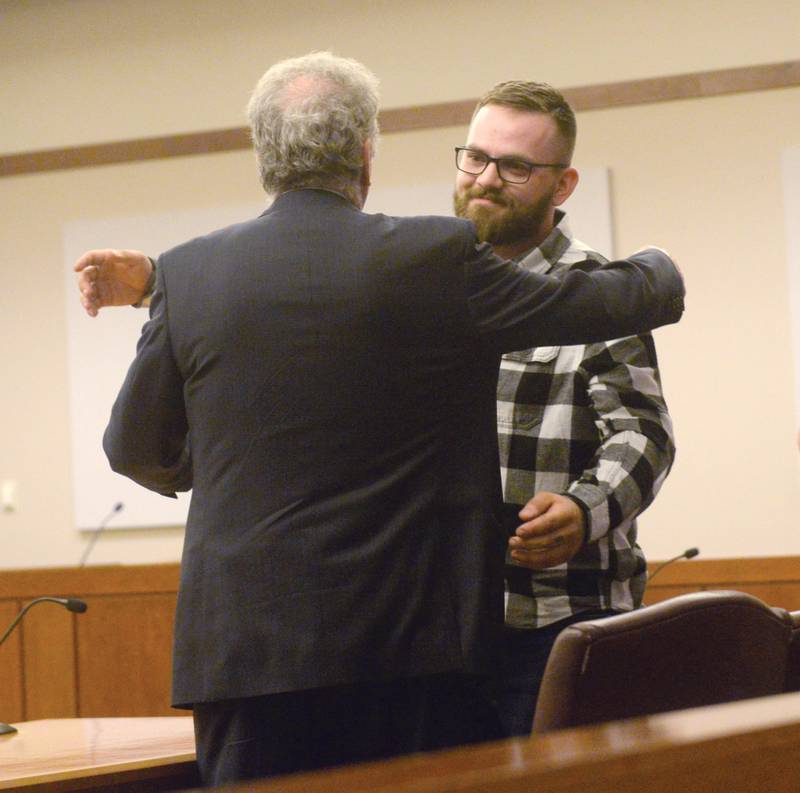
<point>506,223</point>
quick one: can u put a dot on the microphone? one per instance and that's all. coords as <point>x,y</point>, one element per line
<point>118,507</point>
<point>71,604</point>
<point>689,553</point>
<point>75,605</point>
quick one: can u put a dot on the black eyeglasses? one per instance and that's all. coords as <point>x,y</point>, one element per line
<point>509,169</point>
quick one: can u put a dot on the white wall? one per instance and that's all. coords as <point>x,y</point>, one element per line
<point>699,177</point>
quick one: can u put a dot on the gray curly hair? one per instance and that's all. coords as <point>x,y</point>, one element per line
<point>309,120</point>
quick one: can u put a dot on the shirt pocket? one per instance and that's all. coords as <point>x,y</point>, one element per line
<point>513,419</point>
<point>534,355</point>
<point>518,410</point>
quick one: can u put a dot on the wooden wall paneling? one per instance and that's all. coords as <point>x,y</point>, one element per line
<point>118,660</point>
<point>125,656</point>
<point>656,594</point>
<point>775,579</point>
<point>11,700</point>
<point>719,573</point>
<point>49,662</point>
<point>777,593</point>
<point>92,580</point>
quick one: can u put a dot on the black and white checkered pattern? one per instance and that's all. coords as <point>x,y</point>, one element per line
<point>591,421</point>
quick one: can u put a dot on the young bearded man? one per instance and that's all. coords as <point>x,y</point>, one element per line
<point>585,437</point>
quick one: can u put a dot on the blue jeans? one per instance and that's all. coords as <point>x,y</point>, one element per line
<point>525,654</point>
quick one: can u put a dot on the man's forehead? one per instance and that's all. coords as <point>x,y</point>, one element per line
<point>507,127</point>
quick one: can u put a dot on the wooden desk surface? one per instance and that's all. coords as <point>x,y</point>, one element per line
<point>81,754</point>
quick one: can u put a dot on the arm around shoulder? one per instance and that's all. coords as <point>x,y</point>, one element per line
<point>658,287</point>
<point>514,309</point>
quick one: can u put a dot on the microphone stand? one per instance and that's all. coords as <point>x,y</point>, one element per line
<point>689,553</point>
<point>98,531</point>
<point>72,604</point>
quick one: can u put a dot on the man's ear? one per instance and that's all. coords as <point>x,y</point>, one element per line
<point>567,182</point>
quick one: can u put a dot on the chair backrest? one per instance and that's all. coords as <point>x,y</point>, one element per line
<point>698,649</point>
<point>793,665</point>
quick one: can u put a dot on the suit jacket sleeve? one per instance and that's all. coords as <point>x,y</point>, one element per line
<point>515,309</point>
<point>146,438</point>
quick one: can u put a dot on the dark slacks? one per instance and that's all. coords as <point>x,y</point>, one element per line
<point>321,728</point>
<point>525,654</point>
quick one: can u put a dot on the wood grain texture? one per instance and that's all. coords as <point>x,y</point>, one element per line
<point>656,594</point>
<point>49,662</point>
<point>125,656</point>
<point>775,579</point>
<point>109,755</point>
<point>11,682</point>
<point>739,747</point>
<point>750,569</point>
<point>119,657</point>
<point>407,119</point>
<point>92,580</point>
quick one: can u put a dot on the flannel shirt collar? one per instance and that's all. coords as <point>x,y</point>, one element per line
<point>542,258</point>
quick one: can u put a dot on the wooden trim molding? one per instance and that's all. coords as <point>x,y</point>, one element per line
<point>736,572</point>
<point>139,150</point>
<point>103,580</point>
<point>21,585</point>
<point>773,579</point>
<point>407,119</point>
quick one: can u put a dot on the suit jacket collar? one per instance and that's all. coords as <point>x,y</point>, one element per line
<point>309,198</point>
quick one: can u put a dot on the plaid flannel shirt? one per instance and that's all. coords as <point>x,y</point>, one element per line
<point>589,421</point>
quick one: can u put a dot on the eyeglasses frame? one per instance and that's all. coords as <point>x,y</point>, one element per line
<point>498,160</point>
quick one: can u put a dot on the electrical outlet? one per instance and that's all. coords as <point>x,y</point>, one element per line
<point>8,495</point>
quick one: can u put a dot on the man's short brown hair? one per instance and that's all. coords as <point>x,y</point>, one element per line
<point>535,98</point>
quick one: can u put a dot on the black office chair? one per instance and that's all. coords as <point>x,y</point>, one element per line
<point>692,650</point>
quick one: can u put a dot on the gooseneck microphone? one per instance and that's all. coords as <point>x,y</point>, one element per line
<point>71,604</point>
<point>118,507</point>
<point>689,553</point>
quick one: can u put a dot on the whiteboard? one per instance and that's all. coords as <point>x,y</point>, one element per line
<point>99,350</point>
<point>589,211</point>
<point>790,166</point>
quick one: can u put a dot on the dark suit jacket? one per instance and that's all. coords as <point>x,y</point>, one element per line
<point>333,374</point>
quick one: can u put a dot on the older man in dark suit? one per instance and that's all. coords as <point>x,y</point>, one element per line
<point>324,381</point>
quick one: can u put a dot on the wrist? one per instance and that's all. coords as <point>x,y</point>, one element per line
<point>587,534</point>
<point>149,287</point>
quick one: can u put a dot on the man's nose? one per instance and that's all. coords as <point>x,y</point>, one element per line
<point>490,177</point>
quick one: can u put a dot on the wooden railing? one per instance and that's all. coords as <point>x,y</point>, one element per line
<point>112,660</point>
<point>773,579</point>
<point>115,659</point>
<point>740,747</point>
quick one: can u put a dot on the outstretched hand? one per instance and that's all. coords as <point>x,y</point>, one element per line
<point>111,278</point>
<point>553,532</point>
